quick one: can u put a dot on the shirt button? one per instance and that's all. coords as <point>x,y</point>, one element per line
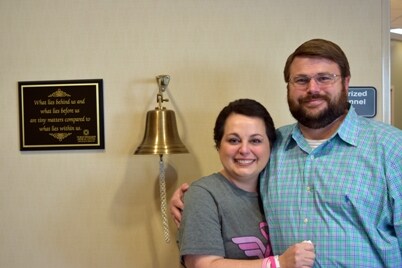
<point>305,220</point>
<point>308,188</point>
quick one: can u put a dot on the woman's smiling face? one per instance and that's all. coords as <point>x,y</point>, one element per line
<point>244,150</point>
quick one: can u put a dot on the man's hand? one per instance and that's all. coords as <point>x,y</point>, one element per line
<point>298,255</point>
<point>176,204</point>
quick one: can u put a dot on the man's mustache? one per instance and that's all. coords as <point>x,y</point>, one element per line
<point>311,97</point>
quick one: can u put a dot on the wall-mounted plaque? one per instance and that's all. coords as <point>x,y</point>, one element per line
<point>60,115</point>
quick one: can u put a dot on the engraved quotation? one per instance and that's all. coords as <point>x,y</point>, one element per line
<point>60,115</point>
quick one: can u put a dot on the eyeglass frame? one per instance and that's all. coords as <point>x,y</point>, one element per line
<point>333,76</point>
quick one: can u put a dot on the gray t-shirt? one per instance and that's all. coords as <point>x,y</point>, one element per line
<point>222,220</point>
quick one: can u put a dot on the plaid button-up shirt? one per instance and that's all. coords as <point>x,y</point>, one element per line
<point>345,195</point>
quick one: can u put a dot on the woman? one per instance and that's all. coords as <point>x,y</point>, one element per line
<point>223,223</point>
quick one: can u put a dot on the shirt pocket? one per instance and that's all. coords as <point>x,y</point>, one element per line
<point>338,203</point>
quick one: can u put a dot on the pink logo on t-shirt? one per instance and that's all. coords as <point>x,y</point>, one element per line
<point>253,246</point>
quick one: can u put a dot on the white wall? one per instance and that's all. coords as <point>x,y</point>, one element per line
<point>101,208</point>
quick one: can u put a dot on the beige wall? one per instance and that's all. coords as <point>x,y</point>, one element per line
<point>396,81</point>
<point>93,208</point>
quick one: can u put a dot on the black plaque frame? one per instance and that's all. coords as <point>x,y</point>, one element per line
<point>61,115</point>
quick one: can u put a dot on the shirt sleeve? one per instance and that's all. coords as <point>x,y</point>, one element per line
<point>200,230</point>
<point>394,175</point>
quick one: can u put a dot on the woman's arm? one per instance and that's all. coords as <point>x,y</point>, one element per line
<point>300,255</point>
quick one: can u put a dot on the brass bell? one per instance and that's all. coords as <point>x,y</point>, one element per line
<point>161,135</point>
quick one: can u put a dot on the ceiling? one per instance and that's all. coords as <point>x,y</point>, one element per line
<point>396,17</point>
<point>396,14</point>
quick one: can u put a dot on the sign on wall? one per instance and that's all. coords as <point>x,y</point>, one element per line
<point>59,115</point>
<point>364,100</point>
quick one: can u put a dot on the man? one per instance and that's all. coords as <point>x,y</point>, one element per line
<point>334,178</point>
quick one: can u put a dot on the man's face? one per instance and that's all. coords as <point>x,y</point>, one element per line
<point>316,102</point>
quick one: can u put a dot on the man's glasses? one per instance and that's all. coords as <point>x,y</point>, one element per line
<point>322,79</point>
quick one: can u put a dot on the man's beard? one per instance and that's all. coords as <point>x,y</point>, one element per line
<point>337,107</point>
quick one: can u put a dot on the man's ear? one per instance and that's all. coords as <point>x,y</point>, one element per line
<point>346,81</point>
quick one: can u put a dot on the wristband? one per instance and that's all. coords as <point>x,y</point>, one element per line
<point>273,261</point>
<point>278,265</point>
<point>266,263</point>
